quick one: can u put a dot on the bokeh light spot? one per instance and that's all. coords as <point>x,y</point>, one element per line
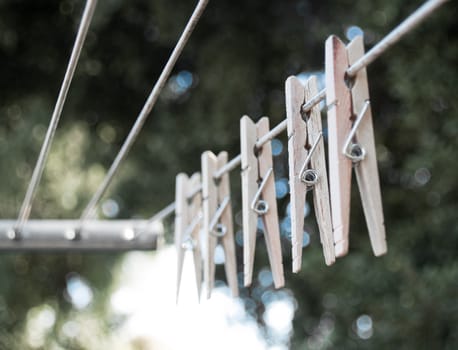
<point>239,238</point>
<point>219,255</point>
<point>79,292</point>
<point>277,147</point>
<point>279,315</point>
<point>184,79</point>
<point>265,278</point>
<point>422,176</point>
<point>306,209</point>
<point>305,239</point>
<point>353,31</point>
<point>110,208</point>
<point>281,188</point>
<point>364,328</point>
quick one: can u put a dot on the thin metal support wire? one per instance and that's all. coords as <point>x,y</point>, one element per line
<point>161,215</point>
<point>192,226</point>
<point>144,113</point>
<point>277,130</point>
<point>26,206</point>
<point>394,36</point>
<point>320,96</point>
<point>158,217</point>
<point>228,167</point>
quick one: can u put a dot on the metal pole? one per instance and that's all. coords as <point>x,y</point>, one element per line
<point>97,235</point>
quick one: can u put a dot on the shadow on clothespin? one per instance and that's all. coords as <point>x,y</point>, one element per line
<point>307,168</point>
<point>217,221</point>
<point>351,143</point>
<point>188,220</point>
<point>258,199</point>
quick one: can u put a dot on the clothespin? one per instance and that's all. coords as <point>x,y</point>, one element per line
<point>307,168</point>
<point>351,142</point>
<point>258,198</point>
<point>188,218</point>
<point>217,221</point>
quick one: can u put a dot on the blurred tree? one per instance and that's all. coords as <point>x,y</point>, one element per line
<point>236,63</point>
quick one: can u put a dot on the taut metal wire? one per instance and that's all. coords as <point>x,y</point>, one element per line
<point>389,40</point>
<point>26,206</point>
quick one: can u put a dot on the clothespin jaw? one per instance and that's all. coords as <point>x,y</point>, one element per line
<point>187,226</point>
<point>338,100</point>
<point>258,199</point>
<point>351,142</point>
<point>210,204</point>
<point>217,218</point>
<point>194,227</point>
<point>297,154</point>
<point>366,169</point>
<point>181,220</point>
<point>307,167</point>
<point>227,226</point>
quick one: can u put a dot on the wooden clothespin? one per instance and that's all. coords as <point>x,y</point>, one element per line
<point>217,221</point>
<point>258,198</point>
<point>307,168</point>
<point>351,142</point>
<point>188,218</point>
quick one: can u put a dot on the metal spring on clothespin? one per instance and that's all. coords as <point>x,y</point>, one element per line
<point>310,176</point>
<point>354,150</point>
<point>219,230</point>
<point>188,242</point>
<point>260,206</point>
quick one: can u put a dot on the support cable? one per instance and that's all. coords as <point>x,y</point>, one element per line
<point>26,206</point>
<point>90,209</point>
<point>389,40</point>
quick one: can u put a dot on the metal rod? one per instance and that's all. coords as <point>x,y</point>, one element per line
<point>195,191</point>
<point>26,206</point>
<point>168,210</point>
<point>219,212</point>
<point>144,113</point>
<point>320,96</point>
<point>192,226</point>
<point>396,34</point>
<point>277,130</point>
<point>368,58</point>
<point>228,167</point>
<point>109,235</point>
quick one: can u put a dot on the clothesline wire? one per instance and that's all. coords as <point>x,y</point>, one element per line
<point>90,209</point>
<point>26,206</point>
<point>235,162</point>
<point>396,34</point>
<point>389,40</point>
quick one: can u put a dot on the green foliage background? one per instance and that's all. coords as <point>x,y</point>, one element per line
<point>240,56</point>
